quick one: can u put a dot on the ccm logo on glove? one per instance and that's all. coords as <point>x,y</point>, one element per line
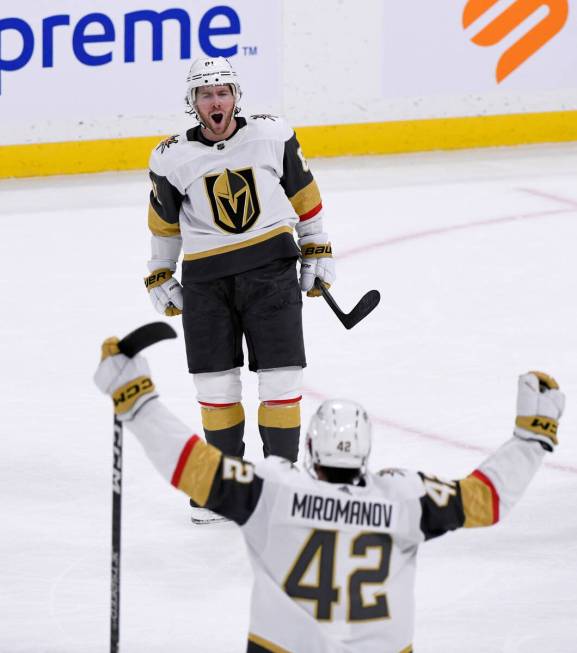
<point>126,396</point>
<point>537,425</point>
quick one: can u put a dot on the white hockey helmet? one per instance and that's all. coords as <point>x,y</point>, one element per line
<point>210,72</point>
<point>339,435</point>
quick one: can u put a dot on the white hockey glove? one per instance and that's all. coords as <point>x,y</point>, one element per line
<point>165,292</point>
<point>316,261</point>
<point>540,404</point>
<point>126,380</point>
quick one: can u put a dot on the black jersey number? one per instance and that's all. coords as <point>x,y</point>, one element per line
<point>320,551</point>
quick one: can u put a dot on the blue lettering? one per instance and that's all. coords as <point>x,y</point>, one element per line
<point>27,35</point>
<point>219,21</point>
<point>48,25</point>
<point>80,38</point>
<point>156,19</point>
<point>205,31</point>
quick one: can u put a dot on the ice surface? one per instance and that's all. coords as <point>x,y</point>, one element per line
<point>474,254</point>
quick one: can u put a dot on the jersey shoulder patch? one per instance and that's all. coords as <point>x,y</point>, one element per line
<point>165,143</point>
<point>270,126</point>
<point>167,154</point>
<point>399,484</point>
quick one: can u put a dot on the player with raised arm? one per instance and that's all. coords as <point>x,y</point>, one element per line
<point>228,194</point>
<point>333,548</point>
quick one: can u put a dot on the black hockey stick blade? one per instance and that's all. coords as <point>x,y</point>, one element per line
<point>367,303</point>
<point>144,336</point>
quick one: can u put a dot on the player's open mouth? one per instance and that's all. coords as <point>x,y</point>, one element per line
<point>217,117</point>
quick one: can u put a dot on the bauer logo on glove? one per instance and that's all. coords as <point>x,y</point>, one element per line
<point>157,278</point>
<point>165,292</point>
<point>317,261</point>
<point>315,250</point>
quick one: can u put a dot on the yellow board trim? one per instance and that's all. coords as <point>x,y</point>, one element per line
<point>245,243</point>
<point>283,416</point>
<point>216,419</point>
<point>199,472</point>
<point>477,503</point>
<point>264,643</point>
<point>40,159</point>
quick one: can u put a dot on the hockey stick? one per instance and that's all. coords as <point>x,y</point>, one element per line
<point>368,302</point>
<point>130,345</point>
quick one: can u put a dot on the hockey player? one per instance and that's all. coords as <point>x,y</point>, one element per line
<point>229,193</point>
<point>334,550</point>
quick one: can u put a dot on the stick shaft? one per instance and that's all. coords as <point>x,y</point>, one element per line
<point>116,539</point>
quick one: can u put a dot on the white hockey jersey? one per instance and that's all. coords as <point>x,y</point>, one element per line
<point>334,566</point>
<point>234,203</point>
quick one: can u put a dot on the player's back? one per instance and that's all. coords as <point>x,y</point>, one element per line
<point>334,564</point>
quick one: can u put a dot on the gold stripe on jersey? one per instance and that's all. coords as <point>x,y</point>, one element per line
<point>283,416</point>
<point>306,199</point>
<point>408,649</point>
<point>215,418</point>
<point>160,227</point>
<point>477,503</point>
<point>265,644</point>
<point>199,471</point>
<point>245,243</point>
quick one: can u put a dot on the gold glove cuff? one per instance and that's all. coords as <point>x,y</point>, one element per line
<point>317,250</point>
<point>125,397</point>
<point>157,278</point>
<point>545,426</point>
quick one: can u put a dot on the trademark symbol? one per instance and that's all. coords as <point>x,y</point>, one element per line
<point>250,50</point>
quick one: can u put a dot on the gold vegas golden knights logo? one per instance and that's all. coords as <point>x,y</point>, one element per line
<point>233,199</point>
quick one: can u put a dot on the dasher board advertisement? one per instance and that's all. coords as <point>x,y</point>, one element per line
<point>482,47</point>
<point>73,68</point>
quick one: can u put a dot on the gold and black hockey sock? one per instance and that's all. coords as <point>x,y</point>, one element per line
<point>224,427</point>
<point>279,424</point>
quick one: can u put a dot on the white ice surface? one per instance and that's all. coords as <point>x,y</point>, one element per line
<point>475,256</point>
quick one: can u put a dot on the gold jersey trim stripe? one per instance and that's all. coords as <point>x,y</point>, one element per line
<point>477,503</point>
<point>269,646</point>
<point>284,416</point>
<point>199,471</point>
<point>306,198</point>
<point>160,227</point>
<point>216,419</point>
<point>408,649</point>
<point>245,243</point>
<point>73,157</point>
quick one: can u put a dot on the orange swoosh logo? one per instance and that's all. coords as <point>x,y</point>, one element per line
<point>501,26</point>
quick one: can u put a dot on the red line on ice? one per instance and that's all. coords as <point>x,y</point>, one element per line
<point>394,240</point>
